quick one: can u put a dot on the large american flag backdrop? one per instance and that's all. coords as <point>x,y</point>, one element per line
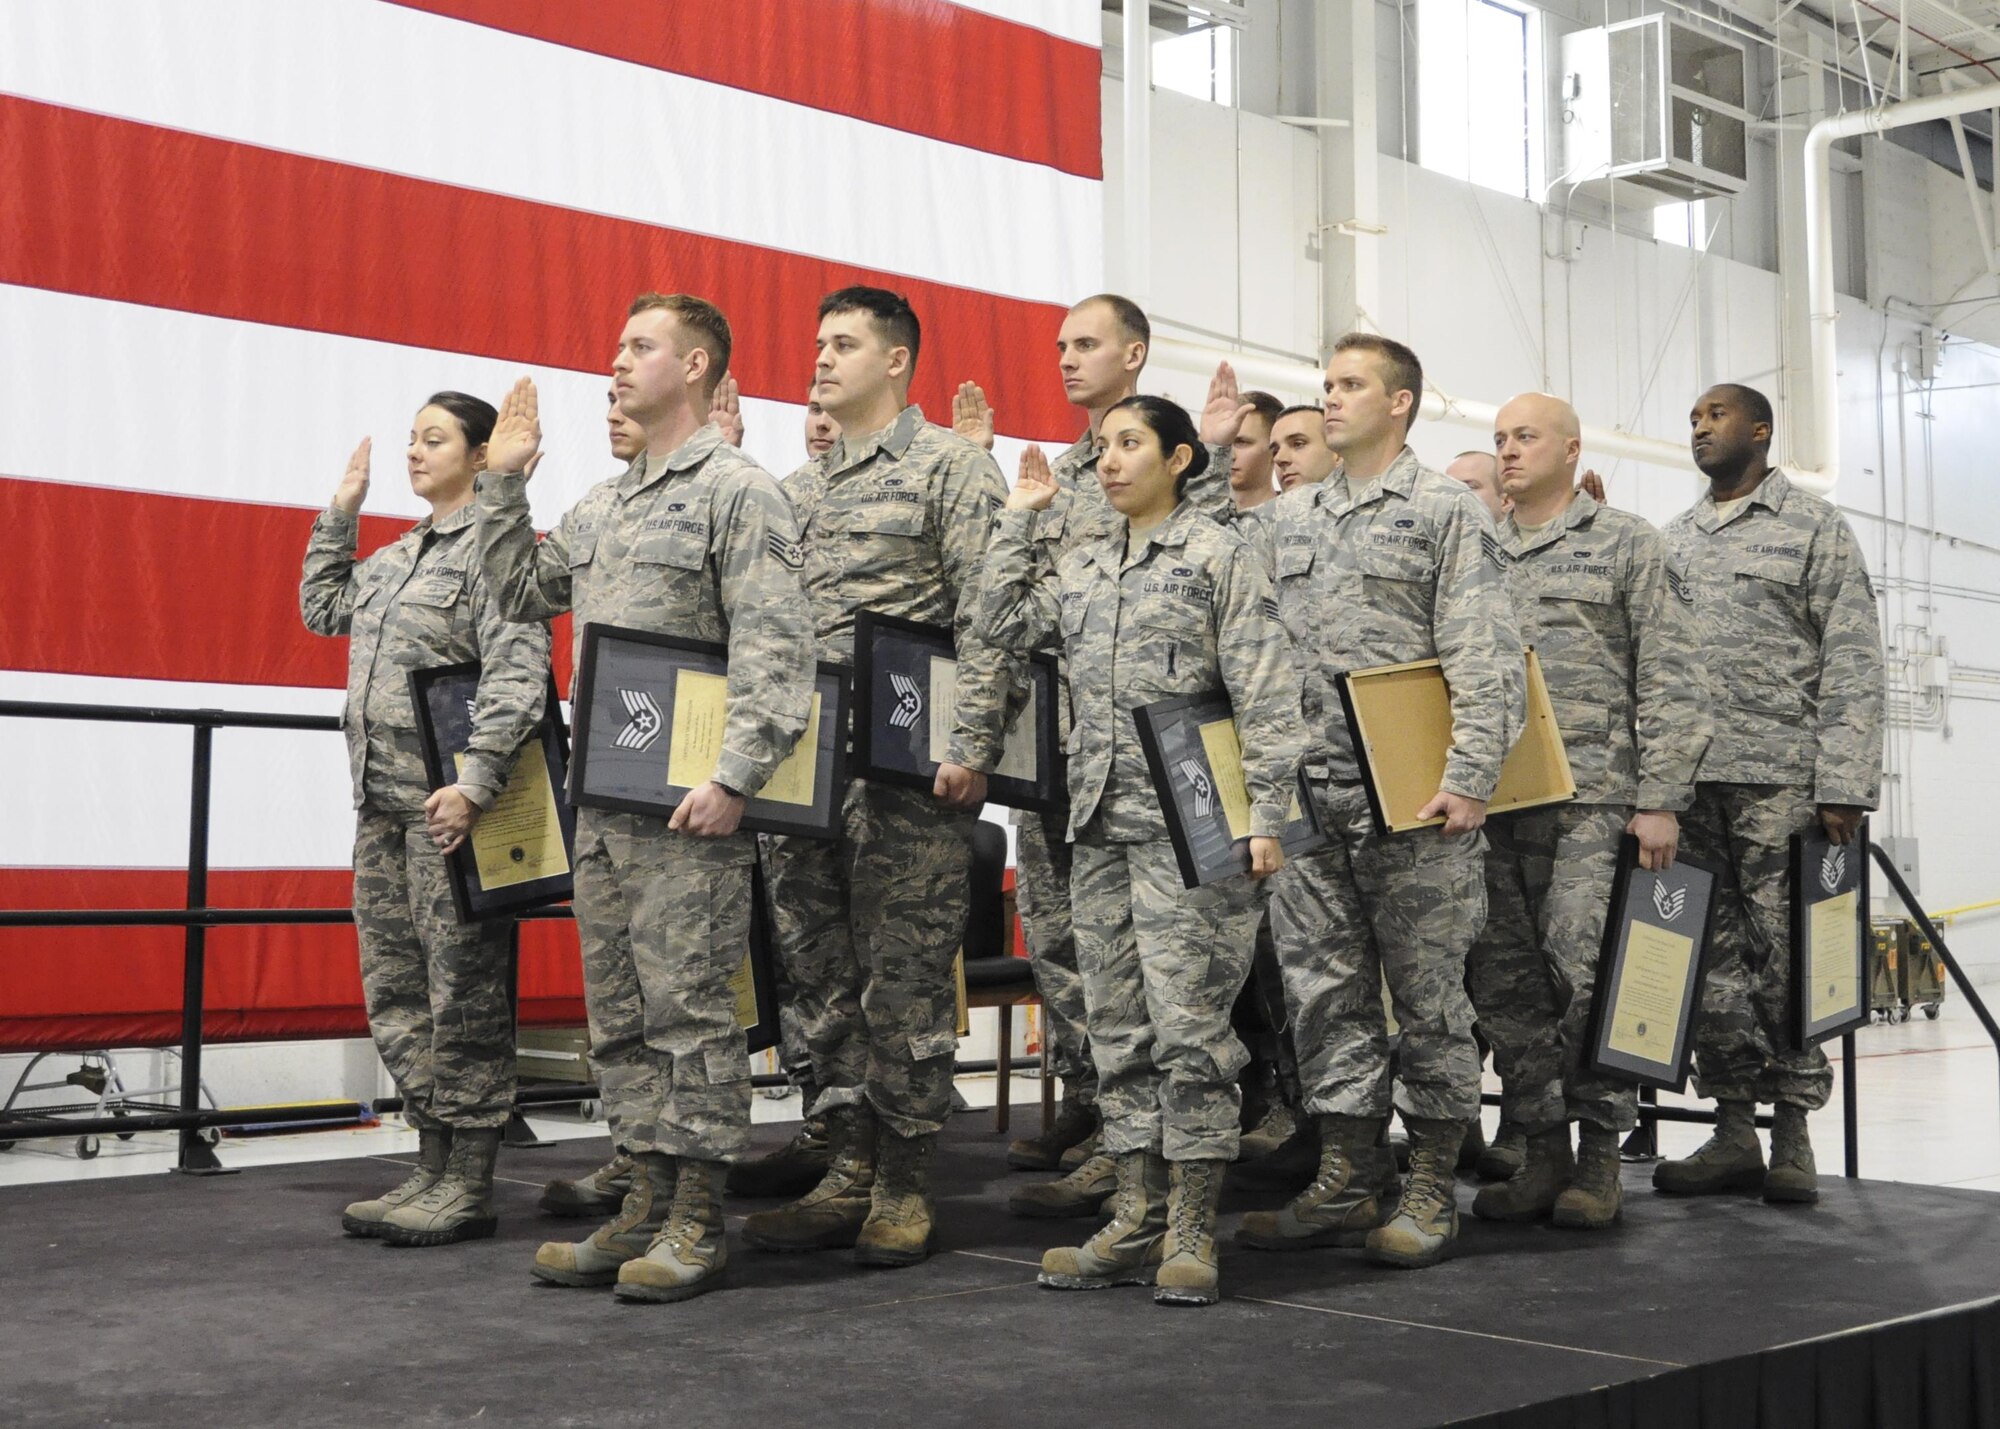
<point>240,235</point>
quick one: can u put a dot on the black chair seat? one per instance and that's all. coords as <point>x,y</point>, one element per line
<point>997,974</point>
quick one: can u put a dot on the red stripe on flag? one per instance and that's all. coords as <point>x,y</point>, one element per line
<point>99,987</point>
<point>135,584</point>
<point>980,82</point>
<point>108,208</point>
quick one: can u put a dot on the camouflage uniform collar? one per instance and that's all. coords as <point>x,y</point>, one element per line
<point>1115,553</point>
<point>445,525</point>
<point>894,439</point>
<point>1770,493</point>
<point>683,458</point>
<point>1581,511</point>
<point>1400,479</point>
<point>1081,454</point>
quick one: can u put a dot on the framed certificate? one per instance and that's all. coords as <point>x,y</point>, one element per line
<point>1196,759</point>
<point>756,982</point>
<point>649,724</point>
<point>1829,936</point>
<point>905,706</point>
<point>519,854</point>
<point>1400,716</point>
<point>1649,974</point>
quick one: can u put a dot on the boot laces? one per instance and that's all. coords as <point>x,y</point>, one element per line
<point>1335,1171</point>
<point>1192,1206</point>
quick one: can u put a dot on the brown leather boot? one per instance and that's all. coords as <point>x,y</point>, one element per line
<point>901,1218</point>
<point>1793,1178</point>
<point>459,1204</point>
<point>1730,1160</point>
<point>1075,1122</point>
<point>1081,1193</point>
<point>601,1193</point>
<point>689,1252</point>
<point>791,1170</point>
<point>1425,1222</point>
<point>1593,1198</point>
<point>596,1260</point>
<point>364,1218</point>
<point>829,1216</point>
<point>1190,1271</point>
<point>1339,1207</point>
<point>1530,1193</point>
<point>1128,1249</point>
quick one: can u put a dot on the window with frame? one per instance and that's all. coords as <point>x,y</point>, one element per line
<point>1478,68</point>
<point>1200,63</point>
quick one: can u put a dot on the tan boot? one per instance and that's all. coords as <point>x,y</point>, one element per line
<point>1505,1154</point>
<point>1425,1222</point>
<point>459,1204</point>
<point>1079,1153</point>
<point>901,1218</point>
<point>1081,1193</point>
<point>1190,1273</point>
<point>595,1261</point>
<point>1530,1193</point>
<point>689,1252</point>
<point>601,1193</point>
<point>1075,1122</point>
<point>1277,1127</point>
<point>829,1216</point>
<point>1339,1207</point>
<point>791,1170</point>
<point>1128,1249</point>
<point>1793,1178</point>
<point>1730,1160</point>
<point>364,1218</point>
<point>1291,1167</point>
<point>1595,1193</point>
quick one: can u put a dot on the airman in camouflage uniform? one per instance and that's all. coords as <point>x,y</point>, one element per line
<point>1782,601</point>
<point>436,989</point>
<point>1395,566</point>
<point>1185,608</point>
<point>695,541</point>
<point>1619,655</point>
<point>894,519</point>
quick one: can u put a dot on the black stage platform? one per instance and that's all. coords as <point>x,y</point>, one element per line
<point>235,1300</point>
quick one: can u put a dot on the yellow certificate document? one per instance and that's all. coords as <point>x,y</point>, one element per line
<point>744,985</point>
<point>695,746</point>
<point>944,705</point>
<point>1225,764</point>
<point>520,839</point>
<point>794,780</point>
<point>1650,988</point>
<point>1830,933</point>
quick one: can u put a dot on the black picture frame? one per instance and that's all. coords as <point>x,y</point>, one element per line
<point>622,761</point>
<point>763,956</point>
<point>1823,872</point>
<point>892,700</point>
<point>1184,783</point>
<point>1679,901</point>
<point>442,696</point>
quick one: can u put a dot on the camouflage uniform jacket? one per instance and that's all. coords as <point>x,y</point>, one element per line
<point>1188,611</point>
<point>699,545</point>
<point>1408,572</point>
<point>1618,650</point>
<point>897,523</point>
<point>1787,615</point>
<point>419,602</point>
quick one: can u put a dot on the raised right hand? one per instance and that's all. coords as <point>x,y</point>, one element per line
<point>1036,488</point>
<point>353,488</point>
<point>517,435</point>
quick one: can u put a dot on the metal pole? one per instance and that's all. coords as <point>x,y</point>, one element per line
<point>1137,97</point>
<point>196,1157</point>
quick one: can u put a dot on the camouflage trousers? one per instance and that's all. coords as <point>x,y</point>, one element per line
<point>794,1057</point>
<point>868,924</point>
<point>436,988</point>
<point>1742,1044</point>
<point>1162,965</point>
<point>1370,908</point>
<point>1533,970</point>
<point>664,920</point>
<point>1042,878</point>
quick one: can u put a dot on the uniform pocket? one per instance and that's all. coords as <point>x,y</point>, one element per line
<point>432,594</point>
<point>1294,560</point>
<point>926,1045</point>
<point>582,549</point>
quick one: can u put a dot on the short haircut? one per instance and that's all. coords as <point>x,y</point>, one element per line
<point>1264,405</point>
<point>895,320</point>
<point>701,324</point>
<point>1401,372</point>
<point>1758,404</point>
<point>1131,319</point>
<point>1313,407</point>
<point>474,415</point>
<point>1475,451</point>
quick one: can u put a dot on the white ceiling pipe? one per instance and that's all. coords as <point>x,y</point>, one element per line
<point>1138,176</point>
<point>1302,382</point>
<point>1823,305</point>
